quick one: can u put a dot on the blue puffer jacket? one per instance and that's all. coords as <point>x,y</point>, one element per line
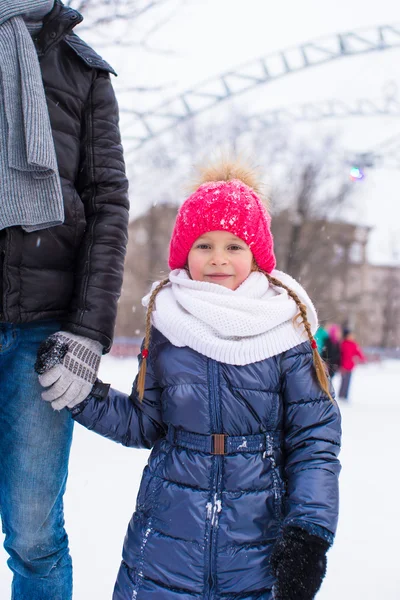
<point>205,524</point>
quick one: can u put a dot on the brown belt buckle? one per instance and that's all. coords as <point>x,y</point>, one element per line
<point>218,443</point>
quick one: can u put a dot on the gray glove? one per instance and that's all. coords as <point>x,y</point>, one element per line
<point>67,364</point>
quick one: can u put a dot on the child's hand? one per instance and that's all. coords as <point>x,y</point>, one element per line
<point>299,564</point>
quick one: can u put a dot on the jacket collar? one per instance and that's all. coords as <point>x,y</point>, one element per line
<point>58,23</point>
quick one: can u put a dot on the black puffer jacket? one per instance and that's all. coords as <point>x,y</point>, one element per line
<point>73,272</point>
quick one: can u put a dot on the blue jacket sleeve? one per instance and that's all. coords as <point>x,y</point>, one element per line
<point>312,434</point>
<point>124,418</point>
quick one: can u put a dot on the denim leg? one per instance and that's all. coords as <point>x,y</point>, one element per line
<point>35,442</point>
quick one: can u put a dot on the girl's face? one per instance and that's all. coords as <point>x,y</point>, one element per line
<point>220,257</point>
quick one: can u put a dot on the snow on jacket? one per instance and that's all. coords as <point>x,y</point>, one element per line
<point>73,272</point>
<point>205,524</point>
<point>349,351</point>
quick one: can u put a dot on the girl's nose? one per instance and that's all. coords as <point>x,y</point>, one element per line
<point>219,258</point>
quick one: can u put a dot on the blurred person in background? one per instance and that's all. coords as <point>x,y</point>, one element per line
<point>350,355</point>
<point>331,350</point>
<point>63,232</point>
<point>321,335</point>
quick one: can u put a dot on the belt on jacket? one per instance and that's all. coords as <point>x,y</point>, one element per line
<point>220,443</point>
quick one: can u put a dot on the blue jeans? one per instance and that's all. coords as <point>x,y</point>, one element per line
<point>35,442</point>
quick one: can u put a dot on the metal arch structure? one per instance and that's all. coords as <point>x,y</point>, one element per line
<point>327,109</point>
<point>264,70</point>
<point>386,154</point>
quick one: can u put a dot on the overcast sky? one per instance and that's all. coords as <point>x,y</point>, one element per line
<point>204,38</point>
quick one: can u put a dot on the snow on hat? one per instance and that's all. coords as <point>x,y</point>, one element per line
<point>226,203</point>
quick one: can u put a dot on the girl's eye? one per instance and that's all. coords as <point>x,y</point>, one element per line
<point>235,247</point>
<point>203,246</point>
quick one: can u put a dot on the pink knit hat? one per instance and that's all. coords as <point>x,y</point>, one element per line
<point>223,206</point>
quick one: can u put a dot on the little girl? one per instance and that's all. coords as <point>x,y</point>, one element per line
<point>239,500</point>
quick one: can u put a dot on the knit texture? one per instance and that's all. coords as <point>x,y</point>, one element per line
<point>11,8</point>
<point>34,18</point>
<point>237,327</point>
<point>223,206</point>
<point>33,27</point>
<point>38,10</point>
<point>31,191</point>
<point>67,364</point>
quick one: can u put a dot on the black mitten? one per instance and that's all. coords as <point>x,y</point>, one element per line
<point>299,564</point>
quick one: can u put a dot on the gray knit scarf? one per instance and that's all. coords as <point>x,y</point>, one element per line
<point>30,188</point>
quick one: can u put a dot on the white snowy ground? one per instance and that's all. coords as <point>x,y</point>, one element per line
<point>364,563</point>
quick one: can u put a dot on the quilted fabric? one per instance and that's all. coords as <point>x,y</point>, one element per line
<point>205,524</point>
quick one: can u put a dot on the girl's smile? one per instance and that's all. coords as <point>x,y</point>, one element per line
<point>217,276</point>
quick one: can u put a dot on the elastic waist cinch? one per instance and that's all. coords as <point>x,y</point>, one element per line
<point>220,443</point>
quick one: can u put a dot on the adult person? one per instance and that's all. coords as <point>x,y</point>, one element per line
<point>63,233</point>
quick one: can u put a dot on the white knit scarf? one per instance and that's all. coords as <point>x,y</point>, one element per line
<point>237,327</point>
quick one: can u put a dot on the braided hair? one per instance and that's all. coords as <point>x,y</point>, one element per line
<point>319,365</point>
<point>146,342</point>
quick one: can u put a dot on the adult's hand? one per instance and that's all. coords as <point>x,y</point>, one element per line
<point>67,365</point>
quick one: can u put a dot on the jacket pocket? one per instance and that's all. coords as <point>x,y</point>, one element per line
<point>75,219</point>
<point>272,454</point>
<point>143,502</point>
<point>78,215</point>
<point>279,494</point>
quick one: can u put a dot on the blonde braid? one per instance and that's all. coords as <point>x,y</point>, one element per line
<point>145,352</point>
<point>319,365</point>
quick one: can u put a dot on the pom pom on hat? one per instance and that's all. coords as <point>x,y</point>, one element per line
<point>229,203</point>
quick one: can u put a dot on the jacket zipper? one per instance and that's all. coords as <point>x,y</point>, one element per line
<point>214,506</point>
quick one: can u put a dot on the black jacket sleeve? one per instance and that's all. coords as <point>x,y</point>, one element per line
<point>103,188</point>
